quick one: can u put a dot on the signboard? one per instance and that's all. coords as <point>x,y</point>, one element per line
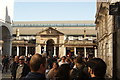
<point>114,9</point>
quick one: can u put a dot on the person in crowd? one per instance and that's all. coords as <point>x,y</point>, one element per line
<point>50,62</point>
<point>77,73</point>
<point>38,68</point>
<point>13,67</point>
<point>85,59</point>
<point>69,61</point>
<point>51,74</point>
<point>62,61</point>
<point>63,72</point>
<point>22,68</point>
<point>69,54</point>
<point>27,61</point>
<point>55,58</point>
<point>97,69</point>
<point>5,63</point>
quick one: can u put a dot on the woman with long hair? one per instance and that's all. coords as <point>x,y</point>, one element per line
<point>51,74</point>
<point>63,72</point>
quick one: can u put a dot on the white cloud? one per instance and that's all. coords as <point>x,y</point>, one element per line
<point>55,0</point>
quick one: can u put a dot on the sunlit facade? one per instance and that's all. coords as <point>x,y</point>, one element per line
<point>6,18</point>
<point>56,38</point>
<point>107,37</point>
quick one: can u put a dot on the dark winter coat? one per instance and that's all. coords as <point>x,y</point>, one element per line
<point>35,76</point>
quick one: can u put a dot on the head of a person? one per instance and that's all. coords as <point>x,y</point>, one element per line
<point>16,59</point>
<point>85,59</point>
<point>78,59</point>
<point>55,65</point>
<point>97,67</point>
<point>38,63</point>
<point>63,58</point>
<point>64,72</point>
<point>21,60</point>
<point>68,60</point>
<point>4,56</point>
<point>79,62</point>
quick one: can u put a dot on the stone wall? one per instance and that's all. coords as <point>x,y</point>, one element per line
<point>105,26</point>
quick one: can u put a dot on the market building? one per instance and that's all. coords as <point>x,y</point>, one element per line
<point>55,38</point>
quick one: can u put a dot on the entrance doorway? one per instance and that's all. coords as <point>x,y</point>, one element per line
<point>90,52</point>
<point>70,51</point>
<point>6,40</point>
<point>50,47</point>
<point>80,51</point>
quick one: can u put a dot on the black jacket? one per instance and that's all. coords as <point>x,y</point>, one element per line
<point>13,68</point>
<point>35,76</point>
<point>79,74</point>
<point>95,78</point>
<point>26,70</point>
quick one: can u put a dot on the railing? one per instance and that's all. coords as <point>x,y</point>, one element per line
<point>24,38</point>
<point>76,42</point>
<point>53,25</point>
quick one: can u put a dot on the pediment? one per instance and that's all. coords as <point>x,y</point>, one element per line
<point>50,31</point>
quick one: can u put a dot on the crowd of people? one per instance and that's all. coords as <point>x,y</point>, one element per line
<point>39,67</point>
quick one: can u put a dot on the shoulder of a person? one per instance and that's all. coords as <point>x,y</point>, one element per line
<point>74,70</point>
<point>25,64</point>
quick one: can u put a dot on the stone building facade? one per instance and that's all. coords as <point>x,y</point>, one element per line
<point>6,17</point>
<point>105,26</point>
<point>56,38</point>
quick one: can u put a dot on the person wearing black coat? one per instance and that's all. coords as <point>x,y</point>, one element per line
<point>35,76</point>
<point>38,68</point>
<point>5,63</point>
<point>97,69</point>
<point>22,68</point>
<point>13,67</point>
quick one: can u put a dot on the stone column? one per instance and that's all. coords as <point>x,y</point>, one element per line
<point>17,32</point>
<point>0,49</point>
<point>26,50</point>
<point>95,52</point>
<point>54,51</point>
<point>17,50</point>
<point>39,46</point>
<point>45,48</point>
<point>38,49</point>
<point>62,51</point>
<point>7,47</point>
<point>75,51</point>
<point>85,55</point>
<point>62,48</point>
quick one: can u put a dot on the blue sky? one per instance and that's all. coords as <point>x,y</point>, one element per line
<point>54,11</point>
